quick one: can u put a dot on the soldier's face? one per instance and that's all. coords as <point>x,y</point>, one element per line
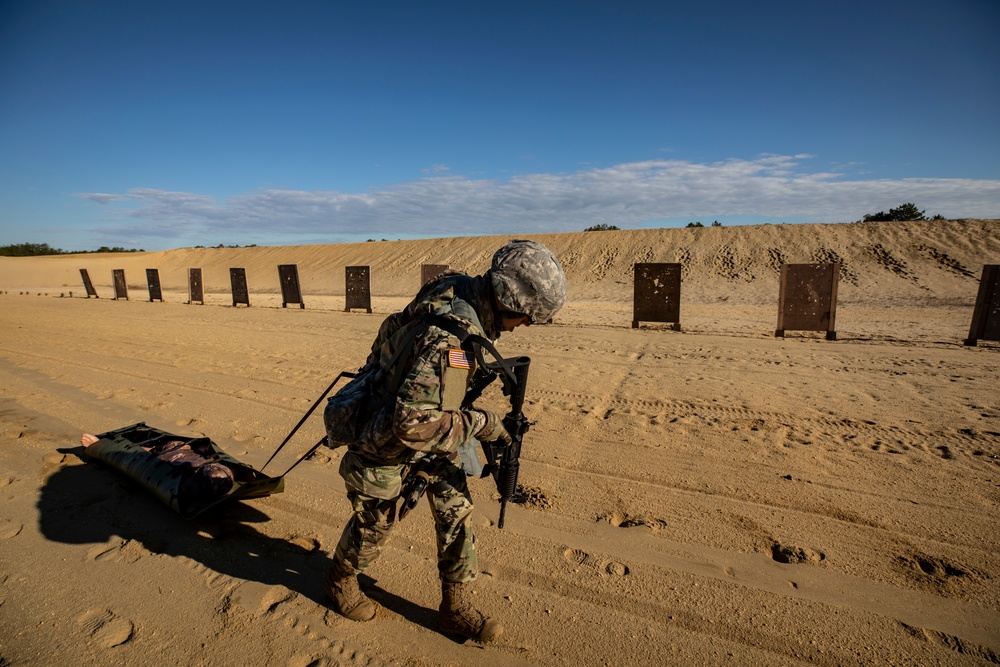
<point>510,321</point>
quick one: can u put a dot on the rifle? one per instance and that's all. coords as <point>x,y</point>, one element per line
<point>503,462</point>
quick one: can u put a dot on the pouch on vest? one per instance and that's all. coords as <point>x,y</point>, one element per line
<point>458,368</point>
<point>376,481</point>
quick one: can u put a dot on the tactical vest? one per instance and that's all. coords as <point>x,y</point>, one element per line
<point>360,414</point>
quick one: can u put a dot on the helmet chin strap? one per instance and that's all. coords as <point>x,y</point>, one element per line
<point>496,324</point>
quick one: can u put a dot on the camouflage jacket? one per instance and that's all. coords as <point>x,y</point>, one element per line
<point>425,413</point>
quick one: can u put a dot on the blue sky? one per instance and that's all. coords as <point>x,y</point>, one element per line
<point>171,124</point>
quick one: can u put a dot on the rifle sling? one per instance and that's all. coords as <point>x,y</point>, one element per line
<point>471,343</point>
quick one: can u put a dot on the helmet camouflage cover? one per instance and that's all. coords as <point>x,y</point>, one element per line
<point>528,279</point>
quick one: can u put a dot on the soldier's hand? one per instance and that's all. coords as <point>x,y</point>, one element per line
<point>493,429</point>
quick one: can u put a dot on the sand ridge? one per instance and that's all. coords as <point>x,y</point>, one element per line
<point>924,262</point>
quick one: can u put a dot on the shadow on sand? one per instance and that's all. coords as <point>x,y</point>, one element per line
<point>83,504</point>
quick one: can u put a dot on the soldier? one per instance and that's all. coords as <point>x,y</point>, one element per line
<point>422,417</point>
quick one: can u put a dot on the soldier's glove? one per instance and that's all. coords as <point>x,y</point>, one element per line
<point>493,429</point>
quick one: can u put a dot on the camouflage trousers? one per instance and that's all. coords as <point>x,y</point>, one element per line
<point>369,527</point>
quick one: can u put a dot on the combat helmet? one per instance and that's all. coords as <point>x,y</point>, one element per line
<point>528,279</point>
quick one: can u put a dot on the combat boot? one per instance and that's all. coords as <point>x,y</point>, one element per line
<point>348,600</point>
<point>459,617</point>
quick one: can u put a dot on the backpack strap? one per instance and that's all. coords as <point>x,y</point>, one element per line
<point>302,421</point>
<point>417,328</point>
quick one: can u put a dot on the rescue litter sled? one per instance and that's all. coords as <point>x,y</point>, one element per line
<point>192,474</point>
<point>141,452</point>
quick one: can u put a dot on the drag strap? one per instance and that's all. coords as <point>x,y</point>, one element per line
<point>322,441</point>
<point>395,380</point>
<point>344,374</point>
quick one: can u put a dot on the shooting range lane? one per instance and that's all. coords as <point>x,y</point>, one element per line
<point>686,497</point>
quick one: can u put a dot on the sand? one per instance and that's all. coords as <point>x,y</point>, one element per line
<point>715,495</point>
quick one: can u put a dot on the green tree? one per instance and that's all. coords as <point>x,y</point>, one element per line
<point>696,223</point>
<point>603,227</point>
<point>29,250</point>
<point>901,213</point>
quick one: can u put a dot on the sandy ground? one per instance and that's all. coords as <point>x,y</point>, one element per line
<point>710,496</point>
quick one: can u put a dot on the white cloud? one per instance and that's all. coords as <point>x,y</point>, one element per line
<point>772,186</point>
<point>436,169</point>
<point>101,198</point>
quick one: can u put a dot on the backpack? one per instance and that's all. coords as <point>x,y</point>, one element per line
<point>352,415</point>
<point>346,410</point>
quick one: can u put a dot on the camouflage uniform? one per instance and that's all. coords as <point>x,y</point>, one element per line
<point>422,419</point>
<point>406,404</point>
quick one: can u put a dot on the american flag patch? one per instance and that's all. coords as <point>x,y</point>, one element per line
<point>459,359</point>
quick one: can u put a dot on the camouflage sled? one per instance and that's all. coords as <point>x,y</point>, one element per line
<point>126,449</point>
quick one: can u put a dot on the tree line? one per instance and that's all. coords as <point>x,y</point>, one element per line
<point>902,213</point>
<point>34,249</point>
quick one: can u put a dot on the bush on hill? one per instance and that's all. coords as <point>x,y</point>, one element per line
<point>117,248</point>
<point>902,213</point>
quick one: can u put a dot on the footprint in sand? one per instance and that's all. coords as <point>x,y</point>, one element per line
<point>9,529</point>
<point>103,628</point>
<point>581,558</point>
<point>308,661</point>
<point>258,598</point>
<point>319,457</point>
<point>122,551</point>
<point>576,556</point>
<point>104,552</point>
<point>616,569</point>
<point>792,555</point>
<point>51,462</point>
<point>304,542</point>
<point>930,568</point>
